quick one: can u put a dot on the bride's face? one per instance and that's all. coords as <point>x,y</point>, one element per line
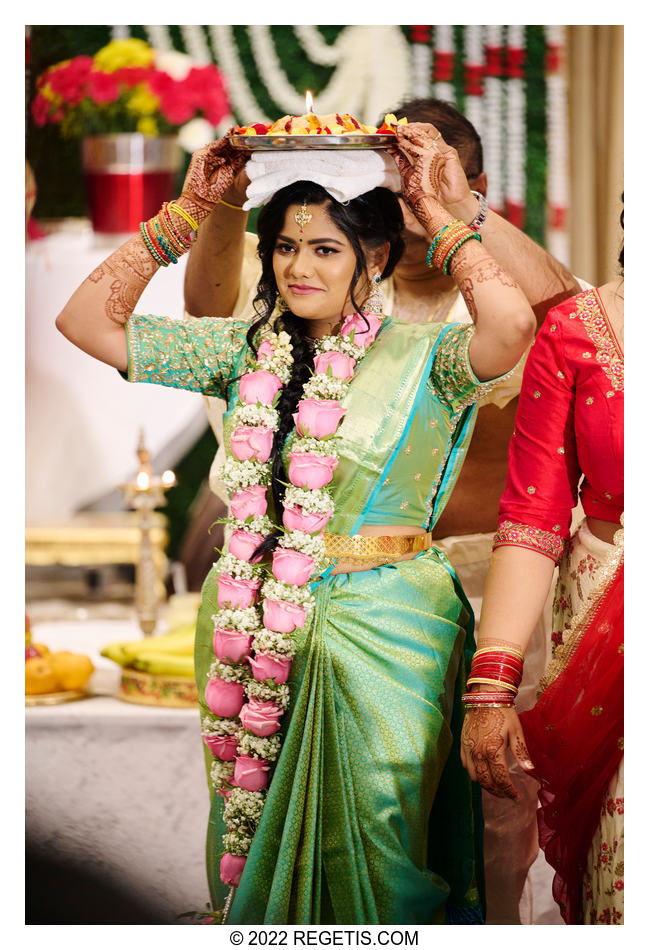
<point>314,264</point>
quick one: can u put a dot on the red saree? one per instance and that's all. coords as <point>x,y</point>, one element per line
<point>575,737</point>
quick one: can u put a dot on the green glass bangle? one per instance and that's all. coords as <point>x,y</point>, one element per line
<point>436,240</point>
<point>456,247</point>
<point>150,247</point>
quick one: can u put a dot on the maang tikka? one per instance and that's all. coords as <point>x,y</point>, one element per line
<point>302,216</point>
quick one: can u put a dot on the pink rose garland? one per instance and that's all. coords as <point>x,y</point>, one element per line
<point>253,630</point>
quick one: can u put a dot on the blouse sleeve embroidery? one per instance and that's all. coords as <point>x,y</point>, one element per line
<point>198,355</point>
<point>452,375</point>
<point>543,473</point>
<point>526,536</point>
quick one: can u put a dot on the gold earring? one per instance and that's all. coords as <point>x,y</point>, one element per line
<point>374,302</point>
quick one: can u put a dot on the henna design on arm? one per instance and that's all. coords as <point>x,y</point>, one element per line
<point>129,269</point>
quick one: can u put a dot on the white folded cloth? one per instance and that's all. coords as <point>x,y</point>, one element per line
<point>344,173</point>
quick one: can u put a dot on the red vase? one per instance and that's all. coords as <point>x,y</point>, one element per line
<point>127,177</point>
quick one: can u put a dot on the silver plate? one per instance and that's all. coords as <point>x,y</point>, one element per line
<point>297,142</point>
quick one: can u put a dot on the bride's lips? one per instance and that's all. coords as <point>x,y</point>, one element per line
<point>303,289</point>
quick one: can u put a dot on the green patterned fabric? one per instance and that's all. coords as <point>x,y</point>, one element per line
<point>370,817</point>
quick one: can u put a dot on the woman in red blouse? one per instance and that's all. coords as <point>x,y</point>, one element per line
<point>567,448</point>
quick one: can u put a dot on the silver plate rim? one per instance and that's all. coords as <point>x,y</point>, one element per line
<point>303,142</point>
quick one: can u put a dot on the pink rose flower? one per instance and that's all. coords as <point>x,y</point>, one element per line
<point>251,773</point>
<point>318,417</point>
<point>295,519</point>
<point>231,645</point>
<point>292,567</point>
<point>260,386</point>
<point>266,350</point>
<point>261,718</point>
<point>223,747</point>
<point>252,442</point>
<point>308,470</point>
<point>237,592</point>
<point>342,365</point>
<point>231,868</point>
<point>282,616</point>
<point>362,336</point>
<point>266,666</point>
<point>249,501</point>
<point>243,544</point>
<point>224,698</point>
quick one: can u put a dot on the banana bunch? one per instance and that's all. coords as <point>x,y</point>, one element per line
<point>171,654</point>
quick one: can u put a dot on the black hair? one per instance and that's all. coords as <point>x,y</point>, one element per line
<point>369,222</point>
<point>456,129</point>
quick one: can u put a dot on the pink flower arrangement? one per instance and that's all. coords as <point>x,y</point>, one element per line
<point>223,697</point>
<point>251,773</point>
<point>252,442</point>
<point>237,592</point>
<point>295,519</point>
<point>318,418</point>
<point>224,747</point>
<point>267,666</point>
<point>231,646</point>
<point>282,616</point>
<point>249,502</point>
<point>128,87</point>
<point>363,335</point>
<point>243,544</point>
<point>231,868</point>
<point>292,567</point>
<point>340,364</point>
<point>309,470</point>
<point>260,386</point>
<point>285,596</point>
<point>261,718</point>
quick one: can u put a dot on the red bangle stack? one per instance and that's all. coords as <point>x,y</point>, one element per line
<point>501,667</point>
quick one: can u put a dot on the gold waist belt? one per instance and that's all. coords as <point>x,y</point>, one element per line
<point>360,547</point>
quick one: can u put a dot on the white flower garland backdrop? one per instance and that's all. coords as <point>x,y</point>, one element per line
<point>373,68</point>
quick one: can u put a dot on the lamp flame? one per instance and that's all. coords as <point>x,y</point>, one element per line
<point>142,481</point>
<point>168,478</point>
<point>308,102</point>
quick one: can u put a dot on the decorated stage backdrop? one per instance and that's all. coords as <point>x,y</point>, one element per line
<point>508,80</point>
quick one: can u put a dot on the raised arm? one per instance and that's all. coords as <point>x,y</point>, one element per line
<point>212,275</point>
<point>94,317</point>
<point>544,281</point>
<point>502,316</point>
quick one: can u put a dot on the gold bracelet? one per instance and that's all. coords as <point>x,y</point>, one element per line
<point>183,214</point>
<point>235,207</point>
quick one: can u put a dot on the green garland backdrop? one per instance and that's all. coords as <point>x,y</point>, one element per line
<point>57,162</point>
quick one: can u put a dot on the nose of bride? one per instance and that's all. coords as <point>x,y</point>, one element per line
<point>300,266</point>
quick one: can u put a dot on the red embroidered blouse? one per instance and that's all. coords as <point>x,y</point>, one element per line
<point>569,423</point>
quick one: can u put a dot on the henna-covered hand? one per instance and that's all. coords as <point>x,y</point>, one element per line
<point>486,735</point>
<point>211,172</point>
<point>429,167</point>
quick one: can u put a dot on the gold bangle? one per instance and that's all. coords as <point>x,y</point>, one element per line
<point>481,679</point>
<point>183,214</point>
<point>235,207</point>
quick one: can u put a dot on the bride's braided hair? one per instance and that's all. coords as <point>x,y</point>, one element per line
<point>369,222</point>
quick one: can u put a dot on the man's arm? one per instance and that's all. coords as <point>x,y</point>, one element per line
<point>213,271</point>
<point>544,281</point>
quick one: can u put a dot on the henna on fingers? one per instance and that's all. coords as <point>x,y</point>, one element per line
<point>484,739</point>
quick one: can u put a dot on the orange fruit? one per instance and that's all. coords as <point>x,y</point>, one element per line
<point>73,670</point>
<point>39,676</point>
<point>42,649</point>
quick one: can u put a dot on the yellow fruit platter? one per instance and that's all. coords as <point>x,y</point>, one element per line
<point>53,677</point>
